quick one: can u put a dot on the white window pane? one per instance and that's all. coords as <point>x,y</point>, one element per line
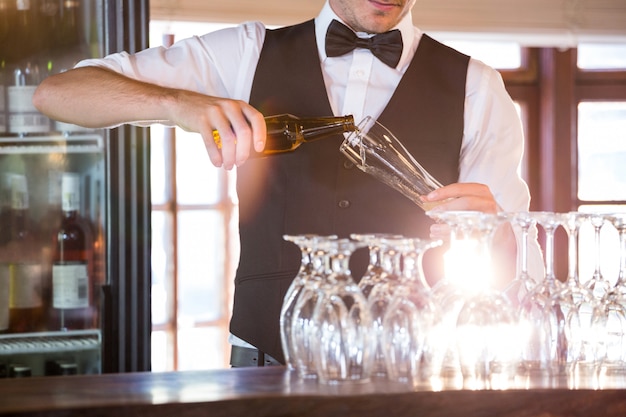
<point>162,359</point>
<point>202,348</point>
<point>500,55</point>
<point>158,165</point>
<point>197,180</point>
<point>601,56</point>
<point>200,266</point>
<point>181,30</point>
<point>162,268</point>
<point>602,151</point>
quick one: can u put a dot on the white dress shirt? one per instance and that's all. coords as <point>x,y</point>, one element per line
<point>223,63</point>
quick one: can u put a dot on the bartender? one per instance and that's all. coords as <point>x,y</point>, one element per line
<point>357,57</point>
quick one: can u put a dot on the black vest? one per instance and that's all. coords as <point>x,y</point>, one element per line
<point>315,189</point>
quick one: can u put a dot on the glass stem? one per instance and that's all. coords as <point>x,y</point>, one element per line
<point>550,253</point>
<point>621,277</point>
<point>572,256</point>
<point>597,273</point>
<point>524,252</point>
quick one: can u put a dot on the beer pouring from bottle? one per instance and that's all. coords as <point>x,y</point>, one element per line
<point>286,132</point>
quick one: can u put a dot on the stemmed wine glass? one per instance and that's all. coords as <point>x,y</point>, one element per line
<point>449,293</point>
<point>376,274</point>
<point>342,337</point>
<point>610,320</point>
<point>539,318</point>
<point>446,285</point>
<point>578,306</point>
<point>486,326</point>
<point>411,324</point>
<point>302,315</point>
<point>378,285</point>
<point>307,244</point>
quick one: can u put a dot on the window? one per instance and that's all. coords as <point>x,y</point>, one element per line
<point>602,151</point>
<point>498,54</point>
<point>598,56</point>
<point>194,242</point>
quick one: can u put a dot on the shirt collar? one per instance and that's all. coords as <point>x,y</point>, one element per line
<point>405,26</point>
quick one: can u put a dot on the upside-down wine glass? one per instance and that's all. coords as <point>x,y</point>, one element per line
<point>578,350</point>
<point>449,292</point>
<point>307,245</point>
<point>302,325</point>
<point>537,314</point>
<point>412,320</point>
<point>378,285</point>
<point>342,339</point>
<point>610,321</point>
<point>486,328</point>
<point>374,275</point>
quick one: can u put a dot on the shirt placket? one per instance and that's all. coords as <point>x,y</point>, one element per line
<point>358,80</point>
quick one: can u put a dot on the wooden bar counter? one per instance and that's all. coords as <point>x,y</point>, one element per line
<point>275,391</point>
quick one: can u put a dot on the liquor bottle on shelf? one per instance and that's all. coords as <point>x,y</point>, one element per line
<point>99,252</point>
<point>48,17</point>
<point>286,132</point>
<point>23,264</point>
<point>48,224</point>
<point>24,73</point>
<point>50,220</point>
<point>71,281</point>
<point>70,48</point>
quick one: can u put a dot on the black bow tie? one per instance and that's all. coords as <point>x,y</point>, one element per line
<point>387,46</point>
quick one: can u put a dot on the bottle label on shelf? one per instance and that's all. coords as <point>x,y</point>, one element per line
<point>70,285</point>
<point>70,191</point>
<point>23,115</point>
<point>28,123</point>
<point>4,297</point>
<point>25,285</point>
<point>21,98</point>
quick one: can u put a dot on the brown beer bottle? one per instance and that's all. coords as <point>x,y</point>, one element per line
<point>286,132</point>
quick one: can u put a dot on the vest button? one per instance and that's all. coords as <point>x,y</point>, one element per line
<point>344,204</point>
<point>348,165</point>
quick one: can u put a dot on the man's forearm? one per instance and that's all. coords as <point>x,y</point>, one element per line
<point>99,98</point>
